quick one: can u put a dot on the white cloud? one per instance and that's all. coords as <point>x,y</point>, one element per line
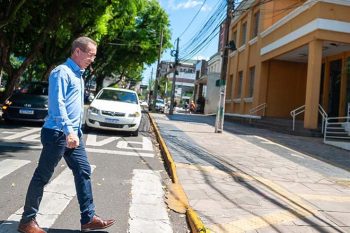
<point>200,57</point>
<point>187,5</point>
<point>206,8</point>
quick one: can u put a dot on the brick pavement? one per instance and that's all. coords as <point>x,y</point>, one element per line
<point>255,180</point>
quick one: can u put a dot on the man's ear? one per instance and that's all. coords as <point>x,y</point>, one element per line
<point>77,51</point>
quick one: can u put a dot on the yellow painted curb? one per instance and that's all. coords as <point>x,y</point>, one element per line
<point>196,223</point>
<point>165,152</point>
<point>194,220</point>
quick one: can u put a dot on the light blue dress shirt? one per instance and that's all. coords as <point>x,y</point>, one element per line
<point>66,98</point>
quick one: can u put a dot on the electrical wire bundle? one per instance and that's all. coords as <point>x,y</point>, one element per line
<point>206,34</point>
<point>211,27</point>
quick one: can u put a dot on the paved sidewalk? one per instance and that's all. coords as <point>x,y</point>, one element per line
<point>255,180</point>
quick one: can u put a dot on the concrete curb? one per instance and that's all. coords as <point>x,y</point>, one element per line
<point>194,220</point>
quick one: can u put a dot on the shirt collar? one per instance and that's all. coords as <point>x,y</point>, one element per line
<point>70,62</point>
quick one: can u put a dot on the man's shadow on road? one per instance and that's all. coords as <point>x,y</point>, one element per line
<point>11,226</point>
<point>70,231</point>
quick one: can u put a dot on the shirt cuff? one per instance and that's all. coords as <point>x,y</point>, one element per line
<point>68,130</point>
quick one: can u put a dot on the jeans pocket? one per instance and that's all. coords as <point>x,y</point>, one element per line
<point>51,136</point>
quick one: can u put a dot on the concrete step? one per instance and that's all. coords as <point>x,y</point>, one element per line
<point>279,125</point>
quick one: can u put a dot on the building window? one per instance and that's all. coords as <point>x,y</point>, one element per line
<point>251,81</point>
<point>256,20</point>
<point>229,87</point>
<point>234,36</point>
<point>244,33</point>
<point>239,84</point>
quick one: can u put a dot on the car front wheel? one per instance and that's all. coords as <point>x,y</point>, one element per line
<point>135,133</point>
<point>86,128</point>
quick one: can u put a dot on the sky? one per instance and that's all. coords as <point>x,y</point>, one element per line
<point>181,13</point>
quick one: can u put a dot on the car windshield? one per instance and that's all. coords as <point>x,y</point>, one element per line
<point>117,95</point>
<point>35,89</point>
<point>160,101</point>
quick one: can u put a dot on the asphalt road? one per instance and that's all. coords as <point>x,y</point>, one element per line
<point>129,181</point>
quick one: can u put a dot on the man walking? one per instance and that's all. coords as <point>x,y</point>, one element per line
<point>61,136</point>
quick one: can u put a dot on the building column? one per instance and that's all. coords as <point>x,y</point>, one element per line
<point>343,87</point>
<point>313,83</point>
<point>260,84</point>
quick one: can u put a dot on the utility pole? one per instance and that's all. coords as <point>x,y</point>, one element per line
<point>171,110</point>
<point>0,76</point>
<point>219,122</point>
<point>156,81</point>
<point>150,90</point>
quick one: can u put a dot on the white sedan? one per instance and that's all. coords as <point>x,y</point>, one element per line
<point>115,109</point>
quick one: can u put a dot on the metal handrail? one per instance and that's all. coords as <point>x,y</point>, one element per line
<point>296,112</point>
<point>258,108</point>
<point>301,109</point>
<point>337,128</point>
<point>324,117</point>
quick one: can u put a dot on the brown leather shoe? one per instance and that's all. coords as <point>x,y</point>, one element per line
<point>96,224</point>
<point>30,227</point>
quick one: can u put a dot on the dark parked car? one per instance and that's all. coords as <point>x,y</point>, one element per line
<point>27,104</point>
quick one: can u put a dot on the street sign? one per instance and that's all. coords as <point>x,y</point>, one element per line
<point>220,82</point>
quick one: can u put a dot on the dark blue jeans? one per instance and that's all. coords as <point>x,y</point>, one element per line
<point>54,147</point>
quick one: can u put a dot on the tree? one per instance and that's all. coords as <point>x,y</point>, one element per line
<point>128,46</point>
<point>42,32</point>
<point>9,11</point>
<point>164,86</point>
<point>40,26</point>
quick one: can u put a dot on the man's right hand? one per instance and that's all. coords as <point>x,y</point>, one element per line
<point>72,140</point>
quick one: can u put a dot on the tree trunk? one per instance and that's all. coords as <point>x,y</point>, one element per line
<point>47,72</point>
<point>12,14</point>
<point>99,82</point>
<point>14,77</point>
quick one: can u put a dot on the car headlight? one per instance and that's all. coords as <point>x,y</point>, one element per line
<point>93,110</point>
<point>135,114</point>
<point>8,102</point>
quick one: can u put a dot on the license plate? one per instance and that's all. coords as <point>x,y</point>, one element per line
<point>26,111</point>
<point>109,120</point>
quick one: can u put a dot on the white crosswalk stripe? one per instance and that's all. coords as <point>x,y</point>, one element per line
<point>10,165</point>
<point>147,209</point>
<point>30,139</point>
<point>57,195</point>
<point>22,134</point>
<point>147,194</point>
<point>117,152</point>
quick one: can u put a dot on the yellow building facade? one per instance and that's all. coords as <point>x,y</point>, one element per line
<point>290,53</point>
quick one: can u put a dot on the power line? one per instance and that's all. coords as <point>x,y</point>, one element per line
<point>193,18</point>
<point>198,47</point>
<point>208,25</point>
<point>207,33</point>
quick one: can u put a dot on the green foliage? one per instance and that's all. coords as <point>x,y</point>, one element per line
<point>41,33</point>
<point>15,61</point>
<point>165,87</point>
<point>132,40</point>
